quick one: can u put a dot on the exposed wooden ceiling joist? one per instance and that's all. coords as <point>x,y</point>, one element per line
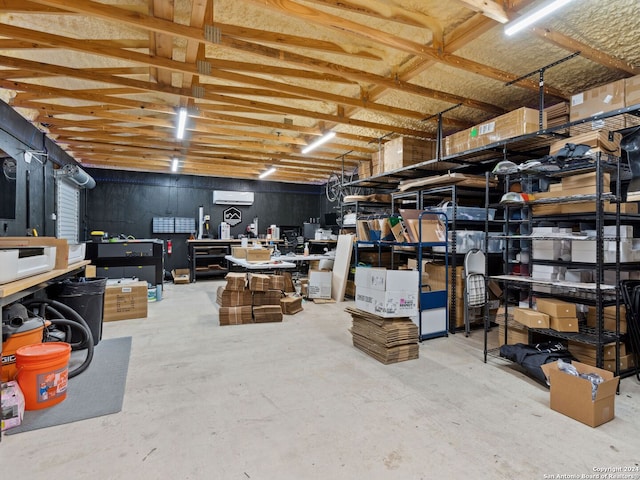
<point>105,79</point>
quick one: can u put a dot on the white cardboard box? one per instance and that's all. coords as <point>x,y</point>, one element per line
<point>551,249</point>
<point>319,284</point>
<point>585,251</point>
<point>387,293</point>
<point>548,272</point>
<point>392,303</point>
<point>382,279</point>
<point>579,276</point>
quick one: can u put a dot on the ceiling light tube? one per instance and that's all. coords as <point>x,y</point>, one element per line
<point>182,123</point>
<point>174,165</point>
<point>268,172</point>
<point>323,139</point>
<point>533,16</point>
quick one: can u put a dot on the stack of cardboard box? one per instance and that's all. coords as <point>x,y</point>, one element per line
<point>558,115</point>
<point>562,315</point>
<point>516,332</point>
<point>609,317</point>
<point>388,340</point>
<point>234,300</point>
<point>252,299</point>
<point>583,184</point>
<point>512,124</point>
<point>586,353</point>
<point>405,151</point>
<point>266,300</point>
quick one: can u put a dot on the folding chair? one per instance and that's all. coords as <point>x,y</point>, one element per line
<point>475,285</point>
<point>630,290</point>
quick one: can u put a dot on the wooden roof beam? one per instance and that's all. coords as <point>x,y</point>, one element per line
<point>291,8</point>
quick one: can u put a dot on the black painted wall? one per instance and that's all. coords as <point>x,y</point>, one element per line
<point>126,202</point>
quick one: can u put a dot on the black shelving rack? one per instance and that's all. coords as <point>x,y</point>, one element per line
<point>455,224</point>
<point>517,149</point>
<point>596,294</point>
<point>429,300</point>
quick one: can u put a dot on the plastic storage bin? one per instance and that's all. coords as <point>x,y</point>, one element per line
<point>466,213</point>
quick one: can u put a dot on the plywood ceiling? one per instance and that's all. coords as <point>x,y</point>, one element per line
<point>263,78</point>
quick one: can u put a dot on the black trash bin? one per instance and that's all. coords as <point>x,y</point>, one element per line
<point>86,297</point>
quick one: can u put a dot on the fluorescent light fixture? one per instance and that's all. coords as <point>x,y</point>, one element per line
<point>182,123</point>
<point>174,165</point>
<point>323,139</point>
<point>267,172</point>
<point>533,16</point>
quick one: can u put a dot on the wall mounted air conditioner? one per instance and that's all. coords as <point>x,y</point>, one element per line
<point>228,197</point>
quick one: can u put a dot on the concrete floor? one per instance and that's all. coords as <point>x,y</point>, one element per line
<point>297,401</point>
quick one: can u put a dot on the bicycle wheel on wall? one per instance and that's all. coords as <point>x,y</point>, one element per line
<point>334,188</point>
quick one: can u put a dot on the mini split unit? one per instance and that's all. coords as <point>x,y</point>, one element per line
<point>227,197</point>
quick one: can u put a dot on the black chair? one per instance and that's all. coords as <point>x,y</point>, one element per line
<point>630,290</point>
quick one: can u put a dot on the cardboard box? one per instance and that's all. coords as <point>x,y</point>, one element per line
<point>377,162</point>
<point>319,284</point>
<point>544,210</point>
<point>291,305</point>
<point>387,293</point>
<point>390,303</point>
<point>258,255</point>
<point>12,405</point>
<point>626,362</point>
<point>258,282</point>
<point>516,333</point>
<point>563,324</point>
<point>236,281</point>
<point>531,318</point>
<point>585,251</point>
<point>239,252</point>
<point>62,247</point>
<point>124,301</point>
<point>235,315</point>
<point>605,98</point>
<point>233,298</point>
<point>382,279</point>
<point>550,249</point>
<point>512,124</point>
<point>267,313</point>
<point>547,272</point>
<point>587,350</point>
<point>556,308</point>
<point>585,180</point>
<point>632,91</point>
<point>590,207</point>
<point>572,396</point>
<point>579,276</point>
<point>277,282</point>
<point>269,297</point>
<point>90,271</point>
<point>599,141</point>
<point>180,275</point>
<point>405,151</point>
<point>432,228</point>
<point>609,318</point>
<point>364,169</point>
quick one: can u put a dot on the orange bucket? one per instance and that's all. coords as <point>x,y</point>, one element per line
<point>43,372</point>
<point>27,334</point>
